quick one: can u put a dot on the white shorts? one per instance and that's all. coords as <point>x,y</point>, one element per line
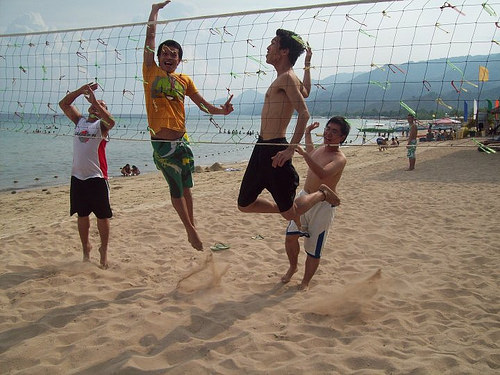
<point>315,225</point>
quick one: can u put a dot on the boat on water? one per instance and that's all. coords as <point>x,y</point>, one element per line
<point>378,128</point>
<point>401,125</point>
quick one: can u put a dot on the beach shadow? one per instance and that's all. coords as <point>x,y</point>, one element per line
<point>11,279</point>
<point>58,318</point>
<point>204,326</point>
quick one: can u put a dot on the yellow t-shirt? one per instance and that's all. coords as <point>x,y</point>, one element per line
<point>165,98</point>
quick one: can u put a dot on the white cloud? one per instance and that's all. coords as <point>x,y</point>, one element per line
<point>27,23</point>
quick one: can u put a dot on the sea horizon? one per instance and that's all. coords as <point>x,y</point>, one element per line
<point>31,160</point>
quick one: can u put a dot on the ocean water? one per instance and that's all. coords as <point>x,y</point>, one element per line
<point>34,158</point>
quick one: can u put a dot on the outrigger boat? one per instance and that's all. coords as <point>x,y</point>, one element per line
<point>376,128</point>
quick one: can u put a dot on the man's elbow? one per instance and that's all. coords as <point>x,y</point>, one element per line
<point>109,123</point>
<point>304,113</point>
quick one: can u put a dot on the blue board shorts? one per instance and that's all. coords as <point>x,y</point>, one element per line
<point>315,224</point>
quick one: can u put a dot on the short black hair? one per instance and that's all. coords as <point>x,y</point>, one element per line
<point>170,43</point>
<point>345,127</point>
<point>291,41</point>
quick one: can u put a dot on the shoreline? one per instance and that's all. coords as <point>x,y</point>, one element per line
<point>204,168</point>
<point>53,184</point>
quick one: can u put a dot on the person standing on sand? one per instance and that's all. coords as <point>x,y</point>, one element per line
<point>412,142</point>
<point>270,166</point>
<point>89,190</point>
<point>165,91</point>
<point>326,164</point>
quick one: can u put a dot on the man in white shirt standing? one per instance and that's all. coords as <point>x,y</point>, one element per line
<point>89,191</point>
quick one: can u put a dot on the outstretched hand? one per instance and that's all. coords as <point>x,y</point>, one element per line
<point>227,108</point>
<point>161,5</point>
<point>309,53</point>
<point>88,91</point>
<point>311,127</point>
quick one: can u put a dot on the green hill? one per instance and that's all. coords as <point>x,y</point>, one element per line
<point>379,91</point>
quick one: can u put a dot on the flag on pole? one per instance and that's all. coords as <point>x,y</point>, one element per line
<point>475,109</point>
<point>484,74</point>
<point>466,111</point>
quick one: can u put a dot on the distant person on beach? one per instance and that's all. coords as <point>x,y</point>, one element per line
<point>326,164</point>
<point>89,190</point>
<point>270,166</point>
<point>165,91</point>
<point>429,137</point>
<point>135,171</point>
<point>126,171</point>
<point>411,146</point>
<point>382,143</point>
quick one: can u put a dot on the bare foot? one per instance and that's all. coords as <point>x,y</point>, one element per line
<point>194,240</point>
<point>104,258</point>
<point>288,275</point>
<point>410,169</point>
<point>330,195</point>
<point>303,287</point>
<point>86,253</point>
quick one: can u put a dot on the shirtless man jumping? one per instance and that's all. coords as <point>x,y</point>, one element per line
<point>270,166</point>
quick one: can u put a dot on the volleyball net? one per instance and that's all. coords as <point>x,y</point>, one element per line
<point>371,59</point>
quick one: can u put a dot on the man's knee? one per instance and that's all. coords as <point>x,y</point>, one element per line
<point>290,214</point>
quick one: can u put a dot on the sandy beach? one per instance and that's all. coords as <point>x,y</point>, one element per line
<point>162,307</point>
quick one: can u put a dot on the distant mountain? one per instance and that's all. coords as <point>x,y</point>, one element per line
<point>379,91</point>
<point>418,84</point>
<point>250,102</point>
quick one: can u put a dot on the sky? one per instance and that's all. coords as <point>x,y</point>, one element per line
<point>226,55</point>
<point>23,16</point>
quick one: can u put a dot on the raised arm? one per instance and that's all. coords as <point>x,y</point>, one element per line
<point>308,138</point>
<point>66,103</point>
<point>205,106</point>
<point>306,81</point>
<point>149,45</point>
<point>100,110</point>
